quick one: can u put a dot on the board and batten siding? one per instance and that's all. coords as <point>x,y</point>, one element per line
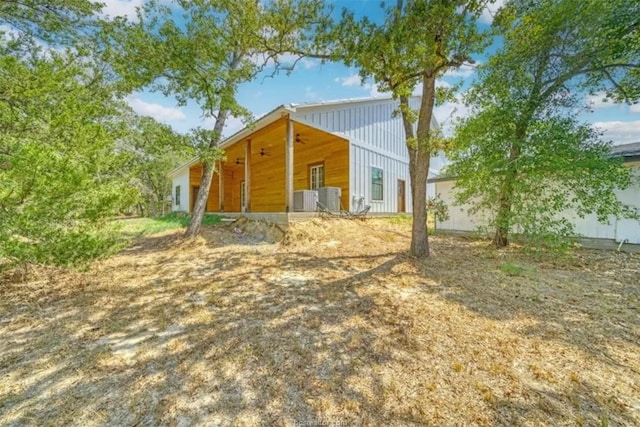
<point>377,139</point>
<point>362,160</point>
<point>182,180</point>
<point>371,122</point>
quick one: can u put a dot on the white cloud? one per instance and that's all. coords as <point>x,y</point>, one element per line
<point>374,90</point>
<point>620,132</point>
<point>286,59</point>
<point>599,100</point>
<point>159,112</point>
<point>635,108</point>
<point>310,94</point>
<point>463,71</point>
<point>355,80</point>
<point>127,8</point>
<point>309,63</point>
<point>352,80</point>
<point>449,112</point>
<point>231,124</point>
<point>490,11</point>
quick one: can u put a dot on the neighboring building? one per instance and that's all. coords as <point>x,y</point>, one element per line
<point>356,146</point>
<point>617,229</point>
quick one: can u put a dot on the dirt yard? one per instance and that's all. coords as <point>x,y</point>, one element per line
<point>333,326</point>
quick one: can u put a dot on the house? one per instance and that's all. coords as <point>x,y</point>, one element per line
<point>616,230</point>
<point>354,147</point>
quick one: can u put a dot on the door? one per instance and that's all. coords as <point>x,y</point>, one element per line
<point>194,196</point>
<point>401,196</point>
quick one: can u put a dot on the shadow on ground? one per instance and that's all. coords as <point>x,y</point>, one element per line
<point>240,334</point>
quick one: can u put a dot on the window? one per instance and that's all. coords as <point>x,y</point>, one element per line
<point>316,176</point>
<point>376,184</point>
<point>177,195</point>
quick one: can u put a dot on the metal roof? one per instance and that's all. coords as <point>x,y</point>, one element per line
<point>626,150</point>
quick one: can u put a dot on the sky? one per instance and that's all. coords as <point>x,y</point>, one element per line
<point>313,82</point>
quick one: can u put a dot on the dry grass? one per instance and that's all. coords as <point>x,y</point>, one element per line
<point>334,325</point>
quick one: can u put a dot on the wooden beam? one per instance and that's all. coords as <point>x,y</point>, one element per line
<point>247,176</point>
<point>289,167</point>
<point>220,186</point>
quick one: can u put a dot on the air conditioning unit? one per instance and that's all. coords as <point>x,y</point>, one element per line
<point>305,200</point>
<point>330,197</point>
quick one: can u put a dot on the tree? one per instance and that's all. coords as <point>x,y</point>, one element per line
<point>60,173</point>
<point>523,155</point>
<point>417,42</point>
<point>220,45</point>
<point>153,149</point>
<point>52,22</point>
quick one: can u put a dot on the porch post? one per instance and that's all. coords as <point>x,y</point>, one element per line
<point>247,176</point>
<point>220,187</point>
<point>289,167</point>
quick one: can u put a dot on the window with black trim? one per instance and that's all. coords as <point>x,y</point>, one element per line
<point>377,183</point>
<point>177,194</point>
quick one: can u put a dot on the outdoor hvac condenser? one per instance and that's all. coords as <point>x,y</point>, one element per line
<point>305,200</point>
<point>330,197</point>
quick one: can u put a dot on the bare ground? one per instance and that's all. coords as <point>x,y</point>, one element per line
<point>335,325</point>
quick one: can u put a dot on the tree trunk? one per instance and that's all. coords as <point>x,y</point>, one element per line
<point>200,206</point>
<point>419,159</point>
<point>418,171</point>
<point>503,217</point>
<point>208,167</point>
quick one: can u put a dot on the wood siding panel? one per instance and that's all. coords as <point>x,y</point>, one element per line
<point>267,170</point>
<point>317,147</point>
<point>195,175</point>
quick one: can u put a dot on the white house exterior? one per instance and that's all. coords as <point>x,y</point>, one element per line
<point>376,142</point>
<point>617,229</point>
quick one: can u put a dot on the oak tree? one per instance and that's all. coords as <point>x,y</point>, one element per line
<point>417,42</point>
<point>523,155</point>
<point>206,54</point>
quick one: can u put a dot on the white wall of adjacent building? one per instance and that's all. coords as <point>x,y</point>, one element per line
<point>618,229</point>
<point>181,179</point>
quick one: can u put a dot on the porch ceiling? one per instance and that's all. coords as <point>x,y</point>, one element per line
<point>275,134</point>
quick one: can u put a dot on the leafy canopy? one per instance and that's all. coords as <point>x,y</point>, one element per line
<point>523,154</point>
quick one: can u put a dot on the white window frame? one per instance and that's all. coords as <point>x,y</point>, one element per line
<point>381,199</point>
<point>316,176</point>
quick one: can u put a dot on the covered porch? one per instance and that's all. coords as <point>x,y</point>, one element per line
<point>263,168</point>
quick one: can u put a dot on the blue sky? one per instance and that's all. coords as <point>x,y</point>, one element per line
<point>313,81</point>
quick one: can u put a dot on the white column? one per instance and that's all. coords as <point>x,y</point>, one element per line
<point>289,167</point>
<point>247,176</point>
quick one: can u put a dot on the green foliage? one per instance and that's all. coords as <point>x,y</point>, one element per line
<point>153,150</point>
<point>417,42</point>
<point>438,208</point>
<point>50,21</point>
<point>59,169</point>
<point>513,269</point>
<point>523,155</point>
<point>223,44</point>
<point>136,227</point>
